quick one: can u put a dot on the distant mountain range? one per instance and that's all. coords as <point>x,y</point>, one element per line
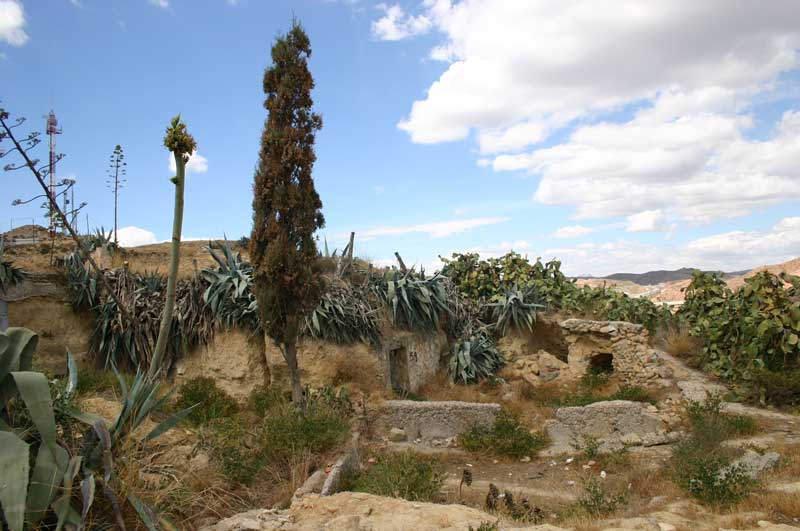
<point>659,277</point>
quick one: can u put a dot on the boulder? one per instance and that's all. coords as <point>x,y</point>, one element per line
<point>613,424</point>
<point>356,511</point>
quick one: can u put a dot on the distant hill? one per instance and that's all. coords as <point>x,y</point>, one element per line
<point>652,278</point>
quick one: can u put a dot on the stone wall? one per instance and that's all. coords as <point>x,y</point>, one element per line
<point>41,304</point>
<point>623,345</point>
<point>409,360</point>
<point>233,358</point>
<point>432,420</point>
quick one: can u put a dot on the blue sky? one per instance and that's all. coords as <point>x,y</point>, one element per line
<point>620,137</point>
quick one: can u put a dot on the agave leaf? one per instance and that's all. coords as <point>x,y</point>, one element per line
<point>112,498</point>
<point>14,469</point>
<point>62,507</point>
<point>145,512</point>
<point>48,473</point>
<point>170,422</point>
<point>72,379</point>
<point>19,351</point>
<point>34,389</point>
<point>87,493</point>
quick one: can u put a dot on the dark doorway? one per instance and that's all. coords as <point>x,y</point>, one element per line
<point>398,370</point>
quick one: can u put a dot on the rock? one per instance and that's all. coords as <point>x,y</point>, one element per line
<point>397,435</point>
<point>433,420</point>
<point>256,520</point>
<point>754,463</point>
<point>349,462</point>
<point>791,488</point>
<point>609,422</point>
<point>763,525</point>
<point>697,391</point>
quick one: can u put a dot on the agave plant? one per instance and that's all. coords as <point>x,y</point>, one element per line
<point>516,308</point>
<point>414,302</point>
<point>229,294</point>
<point>28,496</point>
<point>10,275</point>
<point>474,357</point>
<point>344,315</point>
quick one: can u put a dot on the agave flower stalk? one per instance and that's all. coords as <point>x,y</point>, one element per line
<point>182,145</point>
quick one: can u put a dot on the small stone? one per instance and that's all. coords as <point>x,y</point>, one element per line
<point>526,459</point>
<point>603,474</point>
<point>397,435</point>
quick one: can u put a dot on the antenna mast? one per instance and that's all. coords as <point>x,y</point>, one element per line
<point>52,131</point>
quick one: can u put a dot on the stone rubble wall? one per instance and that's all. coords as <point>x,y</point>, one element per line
<point>633,359</point>
<point>432,420</point>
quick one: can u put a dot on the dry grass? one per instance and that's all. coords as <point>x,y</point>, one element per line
<point>677,342</point>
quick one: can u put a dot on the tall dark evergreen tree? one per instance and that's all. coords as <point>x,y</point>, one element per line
<point>286,207</point>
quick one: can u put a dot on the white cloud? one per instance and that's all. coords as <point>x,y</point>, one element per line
<point>696,167</point>
<point>590,56</point>
<point>379,189</point>
<point>197,163</point>
<point>135,236</point>
<point>396,25</point>
<point>12,23</point>
<point>437,229</point>
<point>685,152</point>
<point>163,4</point>
<point>573,231</point>
<point>730,251</point>
<point>744,249</point>
<point>646,221</point>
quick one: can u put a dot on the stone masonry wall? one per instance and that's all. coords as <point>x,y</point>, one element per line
<point>633,359</point>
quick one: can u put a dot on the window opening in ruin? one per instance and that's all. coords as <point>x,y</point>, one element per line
<point>602,363</point>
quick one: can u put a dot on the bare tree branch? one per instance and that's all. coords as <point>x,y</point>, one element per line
<point>65,222</point>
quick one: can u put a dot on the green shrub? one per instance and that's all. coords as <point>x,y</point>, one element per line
<point>214,402</point>
<point>588,445</point>
<point>507,437</point>
<point>779,388</point>
<point>701,465</point>
<point>486,526</point>
<point>747,331</point>
<point>287,433</point>
<point>742,425</point>
<point>707,474</point>
<point>596,502</point>
<point>232,447</point>
<point>266,398</point>
<point>93,381</point>
<point>634,393</point>
<point>407,475</point>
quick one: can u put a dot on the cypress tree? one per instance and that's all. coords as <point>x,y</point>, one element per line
<point>286,207</point>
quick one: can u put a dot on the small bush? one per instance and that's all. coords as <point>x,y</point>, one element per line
<point>214,402</point>
<point>707,475</point>
<point>742,425</point>
<point>93,381</point>
<point>507,437</point>
<point>408,475</point>
<point>588,445</point>
<point>264,399</point>
<point>778,388</point>
<point>486,526</point>
<point>701,465</point>
<point>634,393</point>
<point>287,433</point>
<point>596,502</point>
<point>238,460</point>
